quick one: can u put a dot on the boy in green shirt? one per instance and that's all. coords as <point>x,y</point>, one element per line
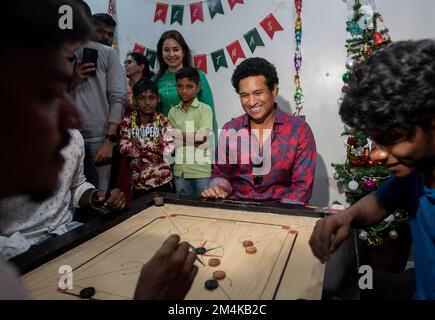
<point>192,122</point>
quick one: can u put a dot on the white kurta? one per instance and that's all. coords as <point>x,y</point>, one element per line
<point>24,222</point>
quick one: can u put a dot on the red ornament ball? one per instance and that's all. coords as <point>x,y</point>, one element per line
<point>369,184</point>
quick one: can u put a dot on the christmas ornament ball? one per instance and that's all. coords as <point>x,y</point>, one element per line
<point>353,185</point>
<point>350,64</point>
<point>369,184</point>
<point>346,77</point>
<point>393,234</point>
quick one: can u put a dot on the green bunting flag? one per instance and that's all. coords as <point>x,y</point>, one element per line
<point>253,39</point>
<point>151,56</point>
<point>177,14</point>
<point>219,59</point>
<point>215,6</point>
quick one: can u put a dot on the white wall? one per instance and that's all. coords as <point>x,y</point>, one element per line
<point>323,52</point>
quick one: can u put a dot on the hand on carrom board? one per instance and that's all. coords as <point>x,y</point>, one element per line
<point>328,234</point>
<point>169,274</point>
<point>215,192</point>
<point>114,200</point>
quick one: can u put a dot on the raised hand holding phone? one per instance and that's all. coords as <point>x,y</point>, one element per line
<point>90,56</point>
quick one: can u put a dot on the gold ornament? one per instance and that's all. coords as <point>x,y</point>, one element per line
<point>367,49</point>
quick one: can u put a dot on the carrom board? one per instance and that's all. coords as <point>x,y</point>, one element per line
<point>282,268</point>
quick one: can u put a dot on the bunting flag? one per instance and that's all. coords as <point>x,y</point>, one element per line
<point>271,25</point>
<point>253,39</point>
<point>233,3</point>
<point>161,12</point>
<point>139,48</point>
<point>235,51</point>
<point>200,62</point>
<point>219,59</point>
<point>215,7</point>
<point>196,12</point>
<point>177,14</point>
<point>151,56</point>
<point>111,10</point>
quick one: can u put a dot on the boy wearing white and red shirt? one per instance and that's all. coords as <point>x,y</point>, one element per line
<point>146,139</point>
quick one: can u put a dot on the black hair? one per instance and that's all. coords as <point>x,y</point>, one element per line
<point>142,60</point>
<point>255,67</point>
<point>85,7</point>
<point>104,18</point>
<point>172,34</point>
<point>188,72</point>
<point>41,18</point>
<point>143,85</point>
<point>394,88</point>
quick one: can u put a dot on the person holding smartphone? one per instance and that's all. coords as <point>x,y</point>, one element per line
<point>45,113</point>
<point>100,93</point>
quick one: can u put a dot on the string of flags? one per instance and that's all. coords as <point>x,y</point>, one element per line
<point>111,10</point>
<point>235,51</point>
<point>196,10</point>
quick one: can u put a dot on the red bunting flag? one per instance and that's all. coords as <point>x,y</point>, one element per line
<point>271,25</point>
<point>111,9</point>
<point>161,12</point>
<point>139,48</point>
<point>196,12</point>
<point>233,3</point>
<point>235,51</point>
<point>200,62</point>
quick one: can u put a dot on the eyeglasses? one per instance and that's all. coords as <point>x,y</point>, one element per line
<point>128,61</point>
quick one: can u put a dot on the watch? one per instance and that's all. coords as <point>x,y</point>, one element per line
<point>112,138</point>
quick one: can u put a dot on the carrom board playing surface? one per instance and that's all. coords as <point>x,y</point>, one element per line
<point>282,268</point>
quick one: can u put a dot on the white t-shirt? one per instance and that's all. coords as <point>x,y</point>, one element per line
<point>23,222</point>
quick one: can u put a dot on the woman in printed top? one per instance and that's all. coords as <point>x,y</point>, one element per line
<point>146,139</point>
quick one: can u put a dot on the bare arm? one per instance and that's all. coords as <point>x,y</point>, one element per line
<point>331,231</point>
<point>105,151</point>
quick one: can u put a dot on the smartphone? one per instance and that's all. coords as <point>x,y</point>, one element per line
<point>90,56</point>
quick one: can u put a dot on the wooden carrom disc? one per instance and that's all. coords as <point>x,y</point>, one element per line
<point>251,249</point>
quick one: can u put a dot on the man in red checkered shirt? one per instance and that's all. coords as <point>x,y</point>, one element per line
<point>265,154</point>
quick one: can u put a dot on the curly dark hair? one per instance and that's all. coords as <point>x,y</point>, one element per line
<point>255,67</point>
<point>393,89</point>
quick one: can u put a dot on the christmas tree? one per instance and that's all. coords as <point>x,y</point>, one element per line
<point>360,175</point>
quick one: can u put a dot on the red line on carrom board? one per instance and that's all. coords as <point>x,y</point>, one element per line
<point>162,217</point>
